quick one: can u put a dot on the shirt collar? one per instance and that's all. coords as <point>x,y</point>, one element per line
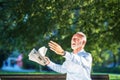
<point>81,52</point>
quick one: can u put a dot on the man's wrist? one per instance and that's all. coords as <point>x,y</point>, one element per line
<point>63,53</point>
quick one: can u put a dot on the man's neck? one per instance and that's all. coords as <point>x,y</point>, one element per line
<point>77,50</point>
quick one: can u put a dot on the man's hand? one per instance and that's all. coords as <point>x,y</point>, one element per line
<point>56,48</point>
<point>47,60</point>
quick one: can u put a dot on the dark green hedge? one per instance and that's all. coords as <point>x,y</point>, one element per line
<point>106,70</point>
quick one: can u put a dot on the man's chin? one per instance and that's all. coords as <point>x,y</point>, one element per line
<point>74,48</point>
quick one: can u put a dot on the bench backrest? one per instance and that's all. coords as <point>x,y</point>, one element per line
<point>45,77</point>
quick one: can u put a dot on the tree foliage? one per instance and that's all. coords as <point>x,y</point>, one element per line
<point>25,24</point>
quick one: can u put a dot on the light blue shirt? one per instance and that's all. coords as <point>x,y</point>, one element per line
<point>77,66</point>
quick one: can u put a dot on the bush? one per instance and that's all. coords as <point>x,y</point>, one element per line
<point>27,64</point>
<point>106,70</point>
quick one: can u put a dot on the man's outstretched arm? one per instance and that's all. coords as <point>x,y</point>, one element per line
<point>56,48</point>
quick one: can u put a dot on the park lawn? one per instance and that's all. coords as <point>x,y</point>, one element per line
<point>7,72</point>
<point>114,76</point>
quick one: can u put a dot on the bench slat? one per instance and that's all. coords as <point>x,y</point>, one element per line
<point>45,77</point>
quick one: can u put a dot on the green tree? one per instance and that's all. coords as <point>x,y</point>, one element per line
<point>25,24</point>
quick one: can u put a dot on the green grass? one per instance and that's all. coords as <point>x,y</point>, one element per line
<point>114,76</point>
<point>7,72</point>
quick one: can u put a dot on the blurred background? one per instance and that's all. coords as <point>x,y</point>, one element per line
<point>28,24</point>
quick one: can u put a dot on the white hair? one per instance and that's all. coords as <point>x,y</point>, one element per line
<point>84,36</point>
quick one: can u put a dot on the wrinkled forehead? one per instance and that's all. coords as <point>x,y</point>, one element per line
<point>78,35</point>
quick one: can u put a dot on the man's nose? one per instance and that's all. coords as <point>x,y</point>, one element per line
<point>74,40</point>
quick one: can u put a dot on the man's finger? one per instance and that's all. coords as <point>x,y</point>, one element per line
<point>56,44</point>
<point>51,45</point>
<point>54,50</point>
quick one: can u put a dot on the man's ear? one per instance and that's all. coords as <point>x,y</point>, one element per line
<point>84,42</point>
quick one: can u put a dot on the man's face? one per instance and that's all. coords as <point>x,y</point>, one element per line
<point>76,41</point>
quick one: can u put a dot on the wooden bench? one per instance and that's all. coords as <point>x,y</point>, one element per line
<point>44,77</point>
<point>100,77</point>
